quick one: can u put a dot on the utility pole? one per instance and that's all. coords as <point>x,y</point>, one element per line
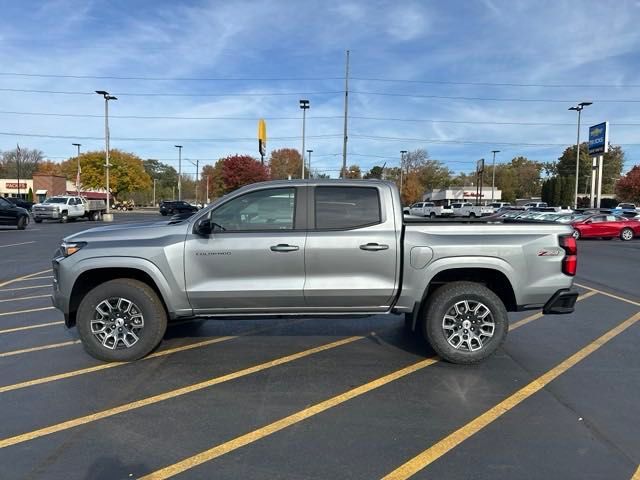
<point>78,172</point>
<point>346,111</point>
<point>154,192</point>
<point>207,198</point>
<point>402,153</point>
<point>578,108</point>
<point>179,147</point>
<point>197,165</point>
<point>493,180</point>
<point>107,217</point>
<point>18,153</point>
<point>309,152</point>
<point>304,105</point>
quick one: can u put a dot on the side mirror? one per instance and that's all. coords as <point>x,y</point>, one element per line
<point>204,227</point>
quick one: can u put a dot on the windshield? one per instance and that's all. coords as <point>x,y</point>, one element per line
<point>55,200</point>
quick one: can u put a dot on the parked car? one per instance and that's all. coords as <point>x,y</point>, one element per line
<point>535,205</point>
<point>311,247</point>
<point>606,226</point>
<point>18,202</point>
<point>171,207</point>
<point>429,209</point>
<point>11,214</point>
<point>499,206</point>
<point>67,207</point>
<point>626,209</point>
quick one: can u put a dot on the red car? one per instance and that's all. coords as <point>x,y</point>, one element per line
<point>606,226</point>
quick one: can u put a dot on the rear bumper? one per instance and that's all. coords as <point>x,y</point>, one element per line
<point>561,303</point>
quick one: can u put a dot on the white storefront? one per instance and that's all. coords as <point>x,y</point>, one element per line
<point>9,187</point>
<point>446,196</point>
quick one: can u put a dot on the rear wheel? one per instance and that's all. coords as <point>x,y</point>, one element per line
<point>626,234</point>
<point>465,322</point>
<point>121,320</point>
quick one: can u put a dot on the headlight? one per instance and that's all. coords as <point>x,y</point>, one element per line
<point>71,248</point>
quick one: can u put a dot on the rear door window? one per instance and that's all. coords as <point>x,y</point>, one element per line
<point>344,208</point>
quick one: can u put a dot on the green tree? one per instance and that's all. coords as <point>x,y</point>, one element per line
<point>30,195</point>
<point>613,163</point>
<point>126,175</point>
<point>375,172</point>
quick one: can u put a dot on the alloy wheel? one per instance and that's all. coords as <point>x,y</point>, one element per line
<point>117,323</point>
<point>468,325</point>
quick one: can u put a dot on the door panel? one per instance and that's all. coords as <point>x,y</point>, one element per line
<point>350,268</point>
<point>255,259</point>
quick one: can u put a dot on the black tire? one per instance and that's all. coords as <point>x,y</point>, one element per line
<point>472,215</point>
<point>22,223</point>
<point>149,305</point>
<point>37,220</point>
<point>164,214</point>
<point>432,215</point>
<point>576,234</point>
<point>626,234</point>
<point>64,217</point>
<point>442,303</point>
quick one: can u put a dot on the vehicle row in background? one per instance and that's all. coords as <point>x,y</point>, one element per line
<point>66,207</point>
<point>172,207</point>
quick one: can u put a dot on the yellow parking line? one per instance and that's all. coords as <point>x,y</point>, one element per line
<point>25,288</point>
<point>37,349</point>
<point>18,279</point>
<point>16,312</point>
<point>451,441</point>
<point>538,315</point>
<point>622,299</point>
<point>283,423</point>
<point>24,298</point>
<point>29,327</point>
<point>636,476</point>
<point>161,353</point>
<point>170,394</point>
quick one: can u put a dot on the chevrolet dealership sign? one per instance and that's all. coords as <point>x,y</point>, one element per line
<point>599,139</point>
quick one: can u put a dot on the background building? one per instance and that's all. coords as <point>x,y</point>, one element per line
<point>44,186</point>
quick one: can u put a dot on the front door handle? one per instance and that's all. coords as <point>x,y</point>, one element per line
<point>283,247</point>
<point>374,247</point>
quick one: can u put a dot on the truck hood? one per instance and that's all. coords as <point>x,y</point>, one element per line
<point>130,231</point>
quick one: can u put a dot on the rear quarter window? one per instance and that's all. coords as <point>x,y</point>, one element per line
<point>343,208</point>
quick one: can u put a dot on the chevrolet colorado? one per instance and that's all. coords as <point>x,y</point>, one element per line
<point>316,247</point>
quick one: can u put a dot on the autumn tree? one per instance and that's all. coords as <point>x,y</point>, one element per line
<point>239,170</point>
<point>285,163</point>
<point>212,175</point>
<point>47,167</point>
<point>24,159</point>
<point>628,187</point>
<point>352,172</point>
<point>126,174</point>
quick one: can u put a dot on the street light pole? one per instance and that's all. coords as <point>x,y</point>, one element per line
<point>578,108</point>
<point>493,180</point>
<point>107,217</point>
<point>78,172</point>
<point>309,152</point>
<point>179,147</point>
<point>197,165</point>
<point>304,105</point>
<point>154,192</point>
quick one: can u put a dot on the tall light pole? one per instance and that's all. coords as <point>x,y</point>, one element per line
<point>402,153</point>
<point>179,147</point>
<point>304,105</point>
<point>578,108</point>
<point>154,192</point>
<point>493,180</point>
<point>107,217</point>
<point>78,172</point>
<point>309,152</point>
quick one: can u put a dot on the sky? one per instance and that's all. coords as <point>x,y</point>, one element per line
<point>459,78</point>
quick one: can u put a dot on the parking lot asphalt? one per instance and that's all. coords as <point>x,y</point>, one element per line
<point>320,398</point>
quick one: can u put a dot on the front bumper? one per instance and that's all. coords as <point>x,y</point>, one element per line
<point>44,214</point>
<point>561,303</point>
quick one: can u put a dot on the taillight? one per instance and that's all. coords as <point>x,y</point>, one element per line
<point>570,260</point>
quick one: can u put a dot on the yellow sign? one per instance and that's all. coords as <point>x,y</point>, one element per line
<point>262,137</point>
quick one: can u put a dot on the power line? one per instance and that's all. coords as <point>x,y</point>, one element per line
<point>141,139</point>
<point>490,99</point>
<point>170,79</point>
<point>496,84</point>
<point>327,117</point>
<point>171,94</point>
<point>470,142</point>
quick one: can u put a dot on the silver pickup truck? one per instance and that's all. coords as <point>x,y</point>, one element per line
<point>311,248</point>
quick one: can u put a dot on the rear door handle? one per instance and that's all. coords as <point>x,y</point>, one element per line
<point>374,247</point>
<point>283,247</point>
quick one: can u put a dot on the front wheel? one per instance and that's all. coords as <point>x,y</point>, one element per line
<point>432,215</point>
<point>465,322</point>
<point>121,320</point>
<point>64,217</point>
<point>626,234</point>
<point>22,223</point>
